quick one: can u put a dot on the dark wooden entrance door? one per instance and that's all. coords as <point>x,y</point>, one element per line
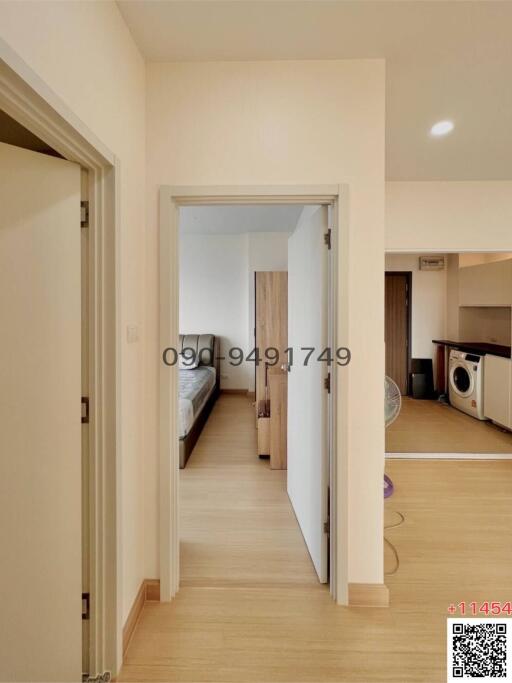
<point>397,329</point>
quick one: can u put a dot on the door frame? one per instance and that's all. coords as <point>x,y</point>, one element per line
<point>416,251</point>
<point>27,99</point>
<point>408,276</point>
<point>171,199</point>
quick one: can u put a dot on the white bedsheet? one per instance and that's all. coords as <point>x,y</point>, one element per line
<point>186,415</point>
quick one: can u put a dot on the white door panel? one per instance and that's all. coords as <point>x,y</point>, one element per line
<point>307,397</point>
<point>40,418</point>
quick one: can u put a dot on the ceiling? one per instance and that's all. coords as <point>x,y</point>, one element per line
<point>232,220</point>
<point>444,60</point>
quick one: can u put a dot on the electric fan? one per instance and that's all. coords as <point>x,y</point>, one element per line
<point>392,405</point>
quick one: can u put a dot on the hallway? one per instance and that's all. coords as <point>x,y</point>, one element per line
<point>237,524</point>
<point>250,609</point>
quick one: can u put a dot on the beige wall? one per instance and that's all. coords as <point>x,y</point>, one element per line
<point>285,123</point>
<point>490,324</point>
<point>449,216</point>
<point>236,123</point>
<point>475,259</point>
<point>84,52</point>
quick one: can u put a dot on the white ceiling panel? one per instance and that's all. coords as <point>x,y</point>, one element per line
<point>232,220</point>
<point>445,60</point>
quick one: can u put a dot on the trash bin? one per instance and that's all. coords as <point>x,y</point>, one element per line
<point>422,378</point>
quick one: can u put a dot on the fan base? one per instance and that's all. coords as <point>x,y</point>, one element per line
<point>388,487</point>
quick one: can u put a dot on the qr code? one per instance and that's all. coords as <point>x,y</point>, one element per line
<point>477,649</point>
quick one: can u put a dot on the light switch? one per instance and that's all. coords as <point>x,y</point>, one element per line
<point>132,334</point>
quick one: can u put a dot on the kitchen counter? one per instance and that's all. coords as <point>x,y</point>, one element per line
<point>482,348</point>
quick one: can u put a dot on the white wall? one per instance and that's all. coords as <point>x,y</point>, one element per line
<point>85,53</point>
<point>268,251</point>
<point>452,297</point>
<point>214,295</point>
<point>296,123</point>
<point>217,291</point>
<point>428,304</point>
<point>449,216</point>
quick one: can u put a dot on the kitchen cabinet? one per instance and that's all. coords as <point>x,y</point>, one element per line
<point>498,390</point>
<point>486,284</point>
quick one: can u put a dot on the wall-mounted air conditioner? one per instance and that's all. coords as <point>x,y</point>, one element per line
<point>432,263</point>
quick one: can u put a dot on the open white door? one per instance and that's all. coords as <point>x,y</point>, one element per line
<point>40,418</point>
<point>308,467</point>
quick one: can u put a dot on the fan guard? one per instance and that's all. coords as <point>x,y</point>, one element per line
<point>392,406</point>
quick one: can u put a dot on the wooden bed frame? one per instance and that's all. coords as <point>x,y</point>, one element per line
<point>188,442</point>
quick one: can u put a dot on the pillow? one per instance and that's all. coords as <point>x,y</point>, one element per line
<point>188,359</point>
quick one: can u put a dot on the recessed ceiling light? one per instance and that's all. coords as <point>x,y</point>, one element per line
<point>442,128</point>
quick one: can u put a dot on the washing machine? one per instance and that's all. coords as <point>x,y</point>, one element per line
<point>466,383</point>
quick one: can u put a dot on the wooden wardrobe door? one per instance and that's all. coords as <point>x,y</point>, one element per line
<point>271,321</point>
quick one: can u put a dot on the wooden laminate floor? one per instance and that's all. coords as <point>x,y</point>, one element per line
<point>431,427</point>
<point>250,608</point>
<point>237,524</point>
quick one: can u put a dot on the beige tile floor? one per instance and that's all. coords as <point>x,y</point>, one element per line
<point>431,427</point>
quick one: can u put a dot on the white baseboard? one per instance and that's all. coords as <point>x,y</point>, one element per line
<point>449,456</point>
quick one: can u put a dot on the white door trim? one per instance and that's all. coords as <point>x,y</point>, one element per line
<point>27,99</point>
<point>171,199</point>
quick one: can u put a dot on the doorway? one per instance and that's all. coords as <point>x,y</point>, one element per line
<point>455,308</point>
<point>444,460</point>
<point>171,200</point>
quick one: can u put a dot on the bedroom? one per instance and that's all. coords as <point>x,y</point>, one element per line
<point>244,482</point>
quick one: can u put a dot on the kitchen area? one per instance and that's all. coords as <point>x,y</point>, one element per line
<point>448,348</point>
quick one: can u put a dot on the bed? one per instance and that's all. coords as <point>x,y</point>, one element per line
<point>199,388</point>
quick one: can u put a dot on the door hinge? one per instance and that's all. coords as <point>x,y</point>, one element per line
<point>327,383</point>
<point>327,527</point>
<point>86,606</point>
<point>327,238</point>
<point>84,214</point>
<point>85,410</point>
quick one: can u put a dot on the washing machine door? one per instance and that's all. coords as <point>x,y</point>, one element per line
<point>462,380</point>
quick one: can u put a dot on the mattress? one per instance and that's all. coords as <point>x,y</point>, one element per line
<point>195,388</point>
